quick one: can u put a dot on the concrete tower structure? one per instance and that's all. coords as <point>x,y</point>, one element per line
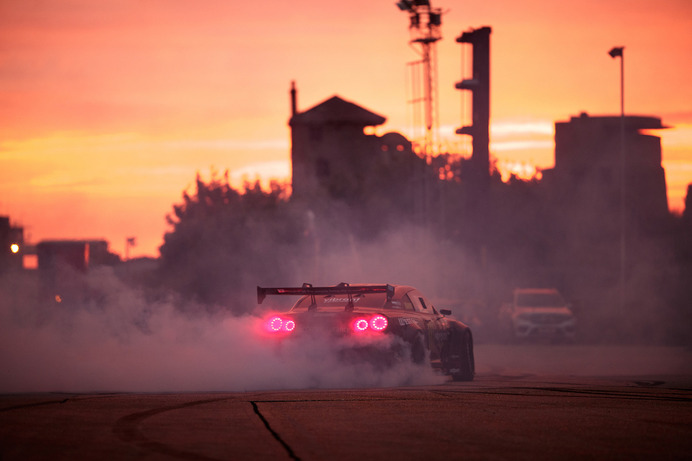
<point>588,167</point>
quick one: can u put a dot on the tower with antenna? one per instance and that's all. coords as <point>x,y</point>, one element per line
<point>425,25</point>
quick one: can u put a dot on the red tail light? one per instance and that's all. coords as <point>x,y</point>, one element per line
<point>360,325</point>
<point>376,323</point>
<point>278,324</point>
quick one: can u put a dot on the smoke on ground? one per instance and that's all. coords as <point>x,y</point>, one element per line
<point>122,342</point>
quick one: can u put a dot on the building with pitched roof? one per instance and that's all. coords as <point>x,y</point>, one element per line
<point>333,157</point>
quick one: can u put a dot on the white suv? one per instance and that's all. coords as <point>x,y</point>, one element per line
<point>539,313</point>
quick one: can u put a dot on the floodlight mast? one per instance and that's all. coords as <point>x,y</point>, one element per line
<point>424,27</point>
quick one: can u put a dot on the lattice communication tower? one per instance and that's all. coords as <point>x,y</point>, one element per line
<point>425,25</point>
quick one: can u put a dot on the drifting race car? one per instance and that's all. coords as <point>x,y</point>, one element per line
<point>363,312</point>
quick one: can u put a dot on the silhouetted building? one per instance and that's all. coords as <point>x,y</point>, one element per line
<point>62,265</point>
<point>687,212</point>
<point>79,255</point>
<point>11,244</point>
<point>595,245</point>
<point>588,169</point>
<point>333,158</point>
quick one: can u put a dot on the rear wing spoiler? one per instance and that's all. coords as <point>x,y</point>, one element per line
<point>340,289</point>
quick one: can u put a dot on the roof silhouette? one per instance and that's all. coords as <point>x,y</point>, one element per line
<point>632,122</point>
<point>337,110</point>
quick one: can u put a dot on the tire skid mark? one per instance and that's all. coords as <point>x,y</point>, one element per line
<point>69,398</point>
<point>35,404</point>
<point>127,430</point>
<point>620,394</point>
<point>574,392</point>
<point>274,434</point>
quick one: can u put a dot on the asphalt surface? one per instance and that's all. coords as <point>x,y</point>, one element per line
<point>506,413</point>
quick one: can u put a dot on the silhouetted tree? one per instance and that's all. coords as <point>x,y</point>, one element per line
<point>224,241</point>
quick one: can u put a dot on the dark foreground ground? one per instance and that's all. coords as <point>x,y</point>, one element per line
<point>508,412</point>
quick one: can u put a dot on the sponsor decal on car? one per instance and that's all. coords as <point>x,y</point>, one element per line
<point>340,300</point>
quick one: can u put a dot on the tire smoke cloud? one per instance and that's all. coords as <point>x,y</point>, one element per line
<point>122,342</point>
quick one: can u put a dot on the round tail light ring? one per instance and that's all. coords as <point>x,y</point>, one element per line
<point>275,324</point>
<point>278,324</point>
<point>378,322</point>
<point>360,325</point>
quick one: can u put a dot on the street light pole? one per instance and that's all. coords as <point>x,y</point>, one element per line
<point>619,52</point>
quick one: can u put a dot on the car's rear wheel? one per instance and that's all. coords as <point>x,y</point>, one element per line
<point>461,358</point>
<point>418,350</point>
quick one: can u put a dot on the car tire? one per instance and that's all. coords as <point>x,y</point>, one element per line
<point>418,350</point>
<point>462,348</point>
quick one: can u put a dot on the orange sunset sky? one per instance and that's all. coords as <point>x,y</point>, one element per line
<point>109,108</point>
